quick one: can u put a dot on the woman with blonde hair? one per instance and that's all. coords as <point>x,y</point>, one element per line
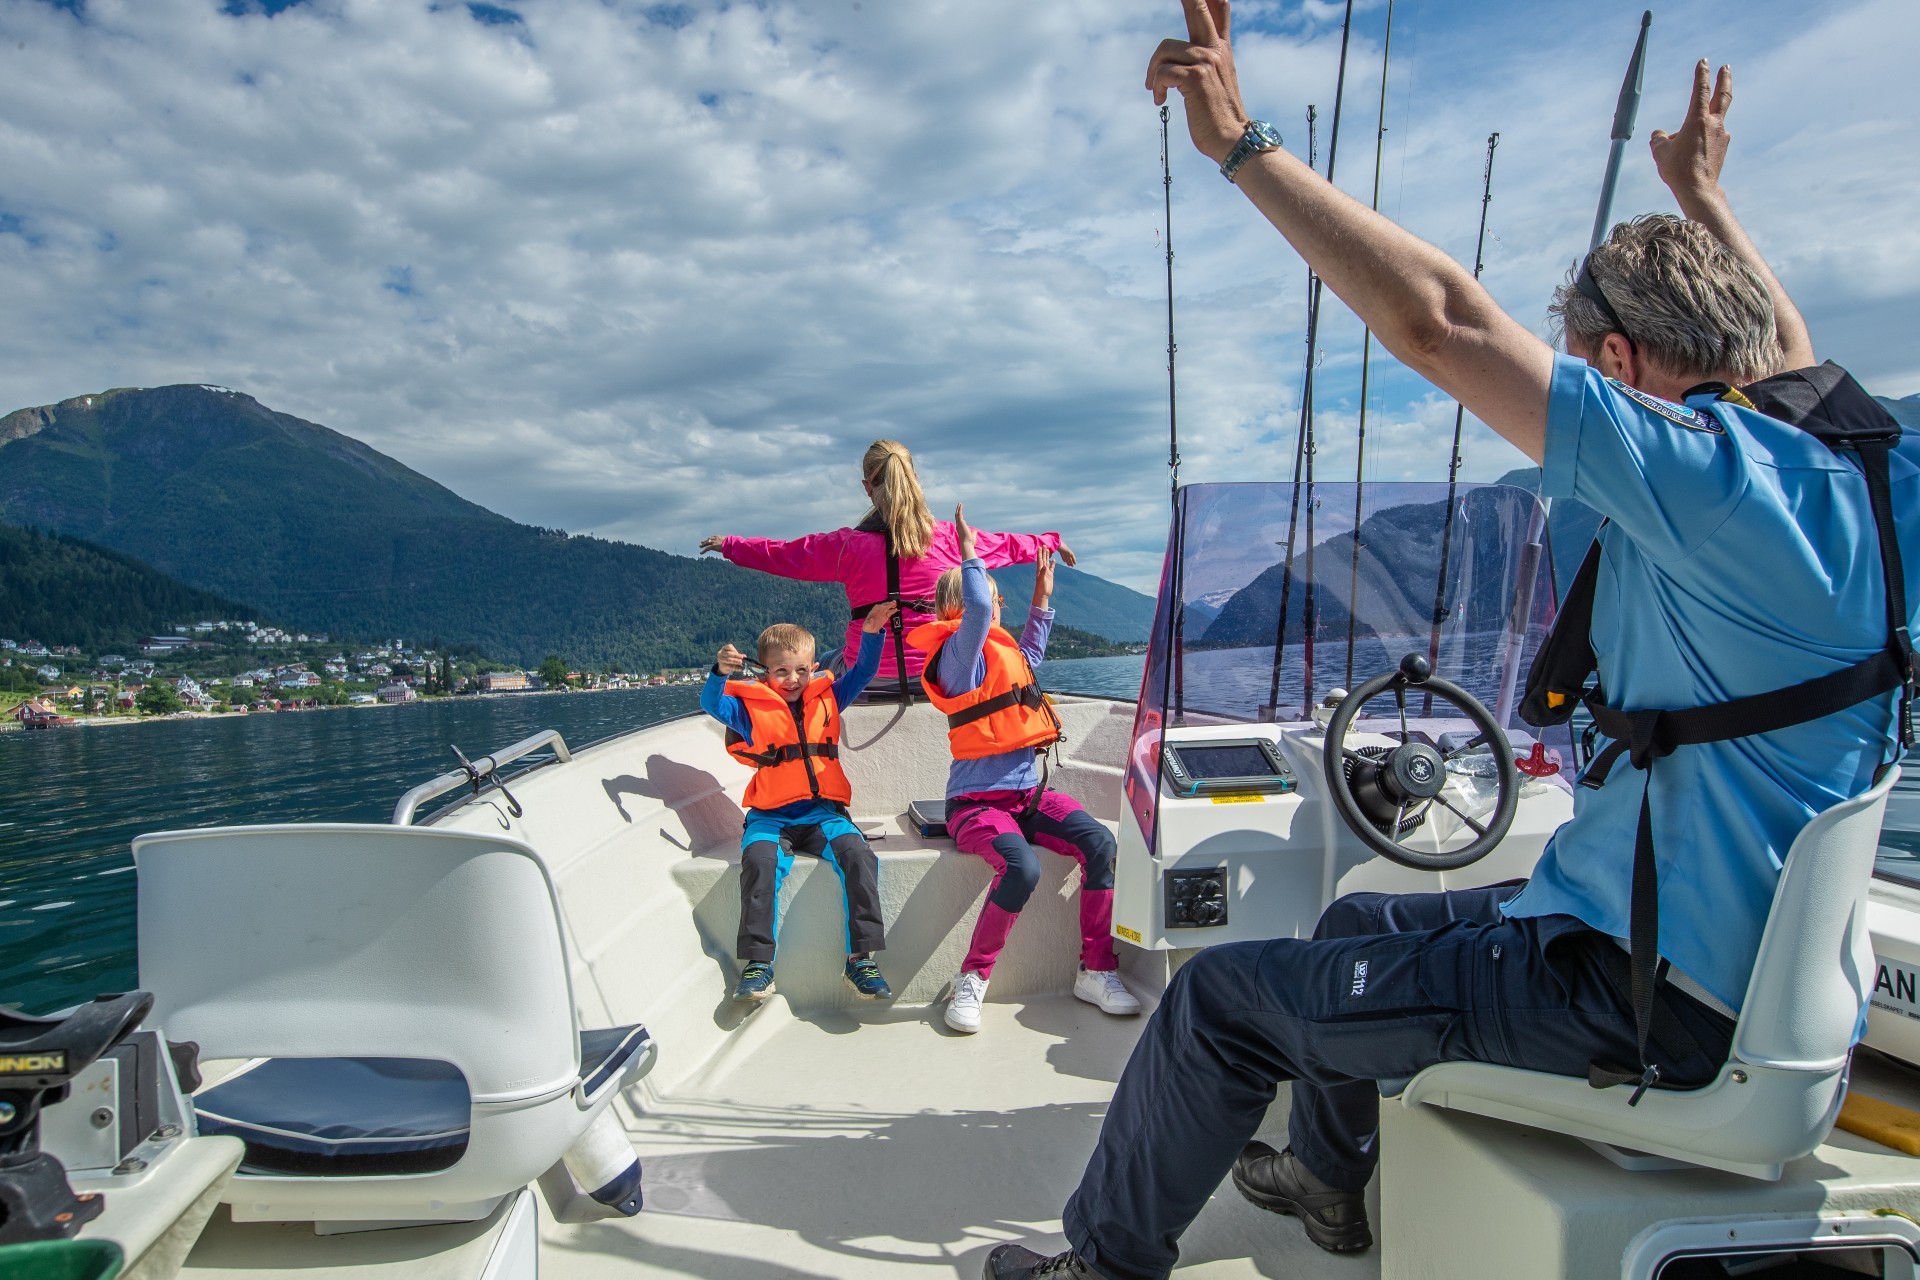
<point>897,552</point>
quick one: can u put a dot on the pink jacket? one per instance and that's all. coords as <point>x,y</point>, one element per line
<point>858,562</point>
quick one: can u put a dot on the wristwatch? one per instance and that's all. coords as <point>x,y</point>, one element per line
<point>1260,136</point>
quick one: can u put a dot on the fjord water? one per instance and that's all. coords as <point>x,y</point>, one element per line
<point>73,799</point>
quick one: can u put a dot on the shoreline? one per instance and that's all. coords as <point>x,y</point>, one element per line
<point>100,722</point>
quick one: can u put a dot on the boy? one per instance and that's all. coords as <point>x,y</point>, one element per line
<point>786,725</point>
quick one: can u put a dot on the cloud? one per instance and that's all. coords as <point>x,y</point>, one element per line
<point>655,271</point>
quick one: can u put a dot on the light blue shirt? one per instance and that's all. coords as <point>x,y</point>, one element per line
<point>1740,557</point>
<point>961,665</point>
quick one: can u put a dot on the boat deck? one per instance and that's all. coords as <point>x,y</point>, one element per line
<point>836,1145</point>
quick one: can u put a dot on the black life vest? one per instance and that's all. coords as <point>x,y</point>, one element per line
<point>1827,404</point>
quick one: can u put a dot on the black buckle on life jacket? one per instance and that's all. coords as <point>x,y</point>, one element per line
<point>1021,695</point>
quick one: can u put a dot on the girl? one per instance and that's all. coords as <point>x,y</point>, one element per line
<point>997,808</point>
<point>897,552</point>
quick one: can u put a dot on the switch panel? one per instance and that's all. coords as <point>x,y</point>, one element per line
<point>1196,899</point>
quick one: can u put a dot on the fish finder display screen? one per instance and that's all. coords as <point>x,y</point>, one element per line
<point>1225,766</point>
<point>1225,762</point>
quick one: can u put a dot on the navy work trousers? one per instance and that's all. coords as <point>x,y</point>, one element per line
<point>1388,985</point>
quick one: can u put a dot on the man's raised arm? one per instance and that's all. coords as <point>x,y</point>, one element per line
<point>1689,163</point>
<point>1426,308</point>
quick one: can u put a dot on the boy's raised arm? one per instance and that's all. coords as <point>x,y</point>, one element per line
<point>854,680</point>
<point>717,702</point>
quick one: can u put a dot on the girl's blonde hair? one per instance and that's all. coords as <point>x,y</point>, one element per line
<point>897,499</point>
<point>947,603</point>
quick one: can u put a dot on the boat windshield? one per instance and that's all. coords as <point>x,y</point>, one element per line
<point>1267,602</point>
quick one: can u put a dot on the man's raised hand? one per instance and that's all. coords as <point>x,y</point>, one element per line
<point>962,532</point>
<point>1689,161</point>
<point>713,542</point>
<point>1201,68</point>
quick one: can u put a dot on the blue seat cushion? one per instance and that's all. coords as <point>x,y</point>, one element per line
<point>363,1117</point>
<point>342,1117</point>
<point>605,1054</point>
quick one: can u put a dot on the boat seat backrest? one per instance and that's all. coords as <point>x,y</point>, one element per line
<point>1814,970</point>
<point>368,941</point>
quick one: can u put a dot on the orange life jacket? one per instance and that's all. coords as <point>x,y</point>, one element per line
<point>1007,712</point>
<point>787,767</point>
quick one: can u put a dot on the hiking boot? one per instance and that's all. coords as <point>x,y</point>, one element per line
<point>863,975</point>
<point>756,982</point>
<point>1277,1181</point>
<point>963,1011</point>
<point>1102,987</point>
<point>1012,1262</point>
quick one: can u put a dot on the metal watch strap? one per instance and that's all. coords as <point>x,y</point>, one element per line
<point>1260,136</point>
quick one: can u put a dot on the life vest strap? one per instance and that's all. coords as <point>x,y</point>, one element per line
<point>1021,695</point>
<point>792,751</point>
<point>1647,735</point>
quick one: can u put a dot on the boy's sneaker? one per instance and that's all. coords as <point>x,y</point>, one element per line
<point>1016,1262</point>
<point>1277,1181</point>
<point>1102,987</point>
<point>963,1011</point>
<point>756,982</point>
<point>863,975</point>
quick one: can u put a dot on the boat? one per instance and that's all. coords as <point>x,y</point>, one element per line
<point>499,1006</point>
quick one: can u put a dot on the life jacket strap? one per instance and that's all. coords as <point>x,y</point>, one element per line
<point>792,751</point>
<point>1021,695</point>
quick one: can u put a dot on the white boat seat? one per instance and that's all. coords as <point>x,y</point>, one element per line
<point>409,993</point>
<point>367,1117</point>
<point>1776,1097</point>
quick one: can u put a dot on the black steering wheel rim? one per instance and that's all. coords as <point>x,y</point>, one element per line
<point>1488,833</point>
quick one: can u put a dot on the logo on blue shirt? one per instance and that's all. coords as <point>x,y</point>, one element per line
<point>1692,419</point>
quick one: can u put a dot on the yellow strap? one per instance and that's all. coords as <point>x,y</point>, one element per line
<point>1556,700</point>
<point>1881,1122</point>
<point>1733,395</point>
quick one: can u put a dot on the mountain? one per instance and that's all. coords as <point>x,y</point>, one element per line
<point>1400,555</point>
<point>319,531</point>
<point>63,591</point>
<point>1907,410</point>
<point>1570,526</point>
<point>1084,602</point>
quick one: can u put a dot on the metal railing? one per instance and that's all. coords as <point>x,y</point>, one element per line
<point>477,773</point>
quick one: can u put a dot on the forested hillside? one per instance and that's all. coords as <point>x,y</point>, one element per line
<point>63,591</point>
<point>318,531</point>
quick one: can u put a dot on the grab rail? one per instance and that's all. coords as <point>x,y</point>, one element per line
<point>477,772</point>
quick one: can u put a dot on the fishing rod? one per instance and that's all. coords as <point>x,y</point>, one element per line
<point>1366,363</point>
<point>1304,443</point>
<point>1309,613</point>
<point>1453,458</point>
<point>1624,112</point>
<point>1173,417</point>
<point>1533,551</point>
<point>1272,709</point>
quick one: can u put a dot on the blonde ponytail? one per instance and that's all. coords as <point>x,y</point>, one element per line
<point>897,499</point>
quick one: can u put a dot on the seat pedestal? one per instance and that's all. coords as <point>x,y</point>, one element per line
<point>1462,1196</point>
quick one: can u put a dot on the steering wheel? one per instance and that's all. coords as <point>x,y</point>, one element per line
<point>1384,793</point>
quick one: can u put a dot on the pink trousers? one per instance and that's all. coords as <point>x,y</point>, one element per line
<point>987,823</point>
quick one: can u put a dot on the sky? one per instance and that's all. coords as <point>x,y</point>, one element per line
<point>653,271</point>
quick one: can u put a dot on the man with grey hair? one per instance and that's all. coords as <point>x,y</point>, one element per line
<point>1742,556</point>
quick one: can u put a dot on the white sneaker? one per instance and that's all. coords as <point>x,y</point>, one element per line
<point>1102,987</point>
<point>963,1011</point>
